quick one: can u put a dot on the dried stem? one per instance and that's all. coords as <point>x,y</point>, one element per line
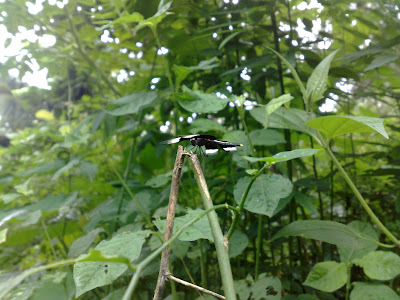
<point>188,284</point>
<point>173,198</point>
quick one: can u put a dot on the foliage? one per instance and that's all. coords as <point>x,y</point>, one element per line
<point>311,198</point>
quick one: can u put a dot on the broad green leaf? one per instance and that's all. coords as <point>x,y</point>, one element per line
<point>266,137</point>
<point>98,256</point>
<point>44,168</point>
<point>88,169</point>
<point>283,156</point>
<point>90,274</point>
<point>329,232</point>
<point>33,218</point>
<point>237,243</point>
<point>205,125</point>
<point>159,180</point>
<point>381,60</point>
<point>8,198</point>
<point>283,118</point>
<point>242,288</point>
<point>333,126</point>
<point>49,290</point>
<point>372,291</point>
<point>199,230</point>
<point>72,163</point>
<point>264,194</point>
<point>133,103</point>
<point>275,103</point>
<point>380,265</point>
<point>327,276</point>
<point>199,102</point>
<point>316,84</point>
<point>50,203</point>
<point>82,244</point>
<point>347,255</point>
<point>266,288</point>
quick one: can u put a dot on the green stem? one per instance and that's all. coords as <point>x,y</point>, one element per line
<point>140,267</point>
<point>243,200</point>
<point>258,246</point>
<point>221,245</point>
<point>140,207</point>
<point>360,198</point>
<point>348,283</point>
<point>48,238</point>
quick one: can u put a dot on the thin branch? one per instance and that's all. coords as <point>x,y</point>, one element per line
<point>173,199</point>
<point>188,284</point>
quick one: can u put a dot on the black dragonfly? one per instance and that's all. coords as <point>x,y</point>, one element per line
<point>210,142</point>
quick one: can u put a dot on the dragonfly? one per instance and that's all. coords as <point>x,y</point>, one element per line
<point>210,142</point>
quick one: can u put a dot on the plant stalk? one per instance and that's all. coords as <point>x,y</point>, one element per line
<point>360,198</point>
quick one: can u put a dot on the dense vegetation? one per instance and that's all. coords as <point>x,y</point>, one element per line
<point>312,198</point>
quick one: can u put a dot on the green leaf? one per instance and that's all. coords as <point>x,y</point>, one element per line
<point>327,276</point>
<point>199,102</point>
<point>347,255</point>
<point>153,21</point>
<point>237,243</point>
<point>82,244</point>
<point>275,103</point>
<point>316,84</point>
<point>72,163</point>
<point>242,289</point>
<point>159,180</point>
<point>267,288</point>
<point>199,230</point>
<point>333,126</point>
<point>381,60</point>
<point>8,198</point>
<point>90,274</point>
<point>205,125</point>
<point>372,291</point>
<point>133,103</point>
<point>329,232</point>
<point>283,118</point>
<point>88,169</point>
<point>32,219</point>
<point>125,18</point>
<point>283,156</point>
<point>228,38</point>
<point>24,188</point>
<point>44,168</point>
<point>266,137</point>
<point>380,265</point>
<point>181,72</point>
<point>264,194</point>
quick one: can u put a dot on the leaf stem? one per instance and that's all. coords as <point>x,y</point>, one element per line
<point>243,200</point>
